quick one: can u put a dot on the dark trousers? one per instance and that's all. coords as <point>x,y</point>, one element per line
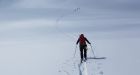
<point>83,51</point>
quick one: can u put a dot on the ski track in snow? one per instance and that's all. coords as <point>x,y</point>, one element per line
<point>90,67</point>
<point>61,17</point>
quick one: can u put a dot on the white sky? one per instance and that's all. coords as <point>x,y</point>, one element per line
<point>37,36</point>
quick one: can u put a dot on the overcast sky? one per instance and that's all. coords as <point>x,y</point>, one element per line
<point>36,36</point>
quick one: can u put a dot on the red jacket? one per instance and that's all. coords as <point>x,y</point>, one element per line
<point>82,40</point>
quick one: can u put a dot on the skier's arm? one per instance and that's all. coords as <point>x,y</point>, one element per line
<point>87,41</point>
<point>77,41</point>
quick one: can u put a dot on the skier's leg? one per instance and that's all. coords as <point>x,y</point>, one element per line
<point>81,53</point>
<point>85,53</point>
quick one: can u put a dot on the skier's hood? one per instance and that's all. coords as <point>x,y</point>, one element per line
<point>82,35</point>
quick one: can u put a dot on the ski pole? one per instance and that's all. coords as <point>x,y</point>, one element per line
<point>75,51</point>
<point>92,50</point>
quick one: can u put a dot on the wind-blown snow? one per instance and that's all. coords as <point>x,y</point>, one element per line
<point>37,37</point>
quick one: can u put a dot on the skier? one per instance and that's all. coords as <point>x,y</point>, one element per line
<point>83,46</point>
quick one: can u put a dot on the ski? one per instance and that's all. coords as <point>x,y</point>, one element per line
<point>80,72</point>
